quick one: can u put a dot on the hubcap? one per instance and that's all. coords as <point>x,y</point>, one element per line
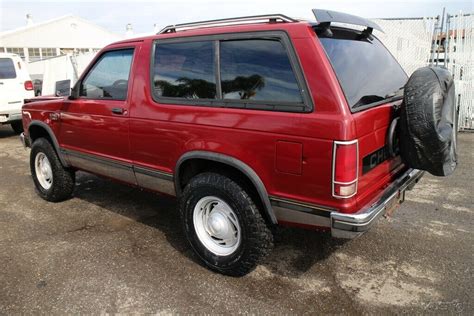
<point>43,170</point>
<point>216,225</point>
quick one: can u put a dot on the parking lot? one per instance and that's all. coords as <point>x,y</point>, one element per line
<point>114,248</point>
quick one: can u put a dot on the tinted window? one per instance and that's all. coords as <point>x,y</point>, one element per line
<point>257,69</point>
<point>365,69</point>
<point>7,69</point>
<point>185,70</point>
<point>108,79</point>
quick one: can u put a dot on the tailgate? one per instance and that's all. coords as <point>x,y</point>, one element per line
<point>377,168</point>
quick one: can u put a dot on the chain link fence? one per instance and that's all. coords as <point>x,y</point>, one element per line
<point>460,61</point>
<point>417,42</point>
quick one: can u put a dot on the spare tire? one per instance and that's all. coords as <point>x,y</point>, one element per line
<point>428,122</point>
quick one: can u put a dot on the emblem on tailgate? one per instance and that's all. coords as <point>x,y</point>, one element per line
<point>374,159</point>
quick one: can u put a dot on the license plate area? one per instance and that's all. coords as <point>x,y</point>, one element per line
<point>394,203</point>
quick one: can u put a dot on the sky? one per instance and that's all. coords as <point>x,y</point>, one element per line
<point>114,15</point>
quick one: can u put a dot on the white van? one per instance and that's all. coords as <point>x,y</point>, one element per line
<point>15,86</point>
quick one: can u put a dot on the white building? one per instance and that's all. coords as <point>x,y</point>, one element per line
<point>60,36</point>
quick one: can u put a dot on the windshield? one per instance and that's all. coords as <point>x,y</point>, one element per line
<point>366,70</point>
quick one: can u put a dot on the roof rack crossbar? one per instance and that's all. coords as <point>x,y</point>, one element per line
<point>221,22</point>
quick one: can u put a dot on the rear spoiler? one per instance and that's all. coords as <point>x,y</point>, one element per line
<point>326,17</point>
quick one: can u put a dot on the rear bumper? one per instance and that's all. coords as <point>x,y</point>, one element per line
<point>353,225</point>
<point>9,117</point>
<point>10,111</point>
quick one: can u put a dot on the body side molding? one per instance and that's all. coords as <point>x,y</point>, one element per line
<point>233,162</point>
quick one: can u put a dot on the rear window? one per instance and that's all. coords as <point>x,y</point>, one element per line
<point>7,69</point>
<point>367,72</point>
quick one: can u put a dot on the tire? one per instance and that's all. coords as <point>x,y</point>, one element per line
<point>53,183</point>
<point>429,122</point>
<point>254,238</point>
<point>17,127</point>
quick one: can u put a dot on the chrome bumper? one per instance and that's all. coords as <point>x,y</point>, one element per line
<point>25,140</point>
<point>353,225</point>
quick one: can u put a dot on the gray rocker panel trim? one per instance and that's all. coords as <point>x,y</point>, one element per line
<point>155,180</point>
<point>53,138</point>
<point>233,162</point>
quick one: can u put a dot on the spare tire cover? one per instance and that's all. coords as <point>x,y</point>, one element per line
<point>428,122</point>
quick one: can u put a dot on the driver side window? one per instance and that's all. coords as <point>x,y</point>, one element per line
<point>108,78</point>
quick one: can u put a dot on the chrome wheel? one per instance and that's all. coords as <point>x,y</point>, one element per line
<point>43,170</point>
<point>216,225</point>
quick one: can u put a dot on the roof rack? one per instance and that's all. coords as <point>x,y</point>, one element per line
<point>272,18</point>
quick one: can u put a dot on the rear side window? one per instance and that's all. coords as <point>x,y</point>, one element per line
<point>367,72</point>
<point>108,78</point>
<point>257,69</point>
<point>185,70</point>
<point>7,68</point>
<point>254,70</point>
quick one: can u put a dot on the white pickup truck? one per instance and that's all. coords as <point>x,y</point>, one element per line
<point>15,86</point>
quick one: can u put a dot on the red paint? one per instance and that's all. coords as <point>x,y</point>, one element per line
<point>289,157</point>
<point>157,135</point>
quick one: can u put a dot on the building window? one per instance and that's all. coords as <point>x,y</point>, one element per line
<point>82,50</point>
<point>64,51</point>
<point>48,52</point>
<point>16,50</point>
<point>34,54</point>
<point>2,50</point>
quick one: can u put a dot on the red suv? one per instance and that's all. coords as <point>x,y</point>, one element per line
<point>249,122</point>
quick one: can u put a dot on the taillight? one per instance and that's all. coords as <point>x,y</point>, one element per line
<point>345,168</point>
<point>28,85</point>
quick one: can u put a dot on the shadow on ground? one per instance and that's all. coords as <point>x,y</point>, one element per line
<point>6,131</point>
<point>296,250</point>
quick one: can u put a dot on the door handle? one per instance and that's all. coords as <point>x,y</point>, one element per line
<point>118,111</point>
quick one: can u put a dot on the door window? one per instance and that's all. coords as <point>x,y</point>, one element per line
<point>108,78</point>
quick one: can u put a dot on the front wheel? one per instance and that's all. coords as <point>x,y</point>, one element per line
<point>53,181</point>
<point>223,225</point>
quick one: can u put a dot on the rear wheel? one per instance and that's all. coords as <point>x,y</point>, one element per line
<point>53,182</point>
<point>17,127</point>
<point>223,225</point>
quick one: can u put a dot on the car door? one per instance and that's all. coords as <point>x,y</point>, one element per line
<point>94,131</point>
